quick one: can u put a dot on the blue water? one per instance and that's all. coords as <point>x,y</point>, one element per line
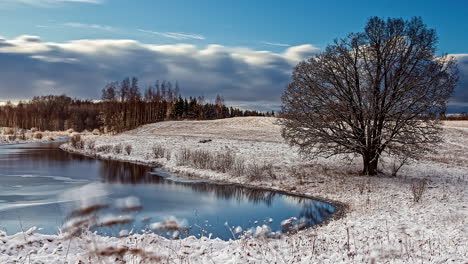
<point>41,184</point>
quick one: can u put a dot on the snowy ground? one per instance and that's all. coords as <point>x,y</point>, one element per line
<point>382,224</point>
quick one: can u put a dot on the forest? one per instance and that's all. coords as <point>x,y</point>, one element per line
<point>122,107</point>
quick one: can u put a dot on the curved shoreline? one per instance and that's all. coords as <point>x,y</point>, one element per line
<point>341,208</point>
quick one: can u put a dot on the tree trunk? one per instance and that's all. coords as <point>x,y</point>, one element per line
<point>370,164</point>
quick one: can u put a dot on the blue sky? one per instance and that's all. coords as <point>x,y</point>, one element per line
<point>249,26</point>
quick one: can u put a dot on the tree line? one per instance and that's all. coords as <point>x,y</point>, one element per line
<point>122,107</point>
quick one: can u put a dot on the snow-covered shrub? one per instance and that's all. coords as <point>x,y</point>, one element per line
<point>223,161</point>
<point>70,130</point>
<point>183,157</point>
<point>238,168</point>
<point>168,154</point>
<point>90,144</point>
<point>76,141</point>
<point>33,129</point>
<point>269,170</point>
<point>117,149</point>
<point>298,173</point>
<point>104,148</point>
<point>38,135</point>
<point>128,149</point>
<point>96,132</point>
<point>201,159</point>
<point>418,187</point>
<point>8,131</point>
<point>159,152</point>
<point>254,171</point>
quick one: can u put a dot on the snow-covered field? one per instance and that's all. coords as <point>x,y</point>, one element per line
<point>382,224</point>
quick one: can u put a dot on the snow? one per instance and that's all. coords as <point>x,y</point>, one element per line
<point>382,223</point>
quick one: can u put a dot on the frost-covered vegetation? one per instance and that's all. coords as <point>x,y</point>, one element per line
<point>417,216</point>
<point>10,135</point>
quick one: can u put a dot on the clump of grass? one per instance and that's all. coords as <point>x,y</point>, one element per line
<point>128,149</point>
<point>117,149</point>
<point>76,141</point>
<point>239,168</point>
<point>38,135</point>
<point>269,171</point>
<point>159,152</point>
<point>8,131</point>
<point>298,173</point>
<point>90,144</point>
<point>254,171</point>
<point>418,187</point>
<point>201,159</point>
<point>223,161</point>
<point>184,157</point>
<point>104,148</point>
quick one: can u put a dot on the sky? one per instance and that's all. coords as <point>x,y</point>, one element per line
<point>244,50</point>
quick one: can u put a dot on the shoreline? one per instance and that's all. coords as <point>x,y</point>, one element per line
<point>342,208</point>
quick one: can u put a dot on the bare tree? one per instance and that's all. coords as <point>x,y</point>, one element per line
<point>375,91</point>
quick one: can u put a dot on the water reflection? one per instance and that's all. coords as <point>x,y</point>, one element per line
<point>130,173</point>
<point>39,184</point>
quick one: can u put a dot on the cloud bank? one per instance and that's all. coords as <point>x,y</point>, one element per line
<point>80,68</point>
<point>246,77</point>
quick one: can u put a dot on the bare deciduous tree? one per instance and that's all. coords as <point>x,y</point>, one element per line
<point>375,91</point>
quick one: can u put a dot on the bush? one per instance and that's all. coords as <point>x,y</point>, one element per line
<point>238,168</point>
<point>418,187</point>
<point>11,137</point>
<point>118,149</point>
<point>104,148</point>
<point>33,129</point>
<point>38,135</point>
<point>223,161</point>
<point>268,169</point>
<point>8,131</point>
<point>298,173</point>
<point>254,171</point>
<point>91,144</point>
<point>158,152</point>
<point>201,159</point>
<point>183,157</point>
<point>70,130</point>
<point>168,154</point>
<point>96,132</point>
<point>128,149</point>
<point>76,141</point>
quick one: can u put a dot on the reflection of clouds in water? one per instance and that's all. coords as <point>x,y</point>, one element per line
<point>87,195</point>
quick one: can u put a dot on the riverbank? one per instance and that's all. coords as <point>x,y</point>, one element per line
<point>383,224</point>
<point>15,137</point>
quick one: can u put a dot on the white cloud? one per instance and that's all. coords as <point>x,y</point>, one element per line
<point>89,26</point>
<point>174,35</point>
<point>80,68</point>
<point>276,44</point>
